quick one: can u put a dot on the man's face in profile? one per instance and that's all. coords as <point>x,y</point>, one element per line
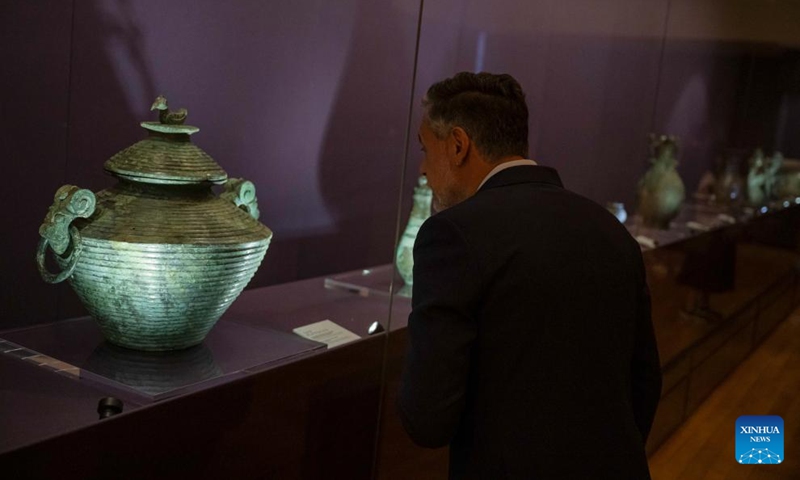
<point>437,167</point>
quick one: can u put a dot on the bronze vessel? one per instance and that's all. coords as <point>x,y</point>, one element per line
<point>157,258</point>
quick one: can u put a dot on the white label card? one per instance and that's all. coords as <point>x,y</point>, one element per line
<point>326,332</point>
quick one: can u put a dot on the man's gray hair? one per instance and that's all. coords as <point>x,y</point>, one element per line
<point>490,108</point>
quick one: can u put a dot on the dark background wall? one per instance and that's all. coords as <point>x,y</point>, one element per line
<point>309,100</point>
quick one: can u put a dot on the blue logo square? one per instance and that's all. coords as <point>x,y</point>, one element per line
<point>759,440</point>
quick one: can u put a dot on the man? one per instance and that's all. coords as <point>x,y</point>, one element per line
<point>531,346</point>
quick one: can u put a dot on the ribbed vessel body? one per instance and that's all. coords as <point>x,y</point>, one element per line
<point>161,264</point>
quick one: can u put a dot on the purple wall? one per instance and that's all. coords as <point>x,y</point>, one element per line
<point>34,110</point>
<point>723,77</point>
<point>590,71</point>
<point>309,100</point>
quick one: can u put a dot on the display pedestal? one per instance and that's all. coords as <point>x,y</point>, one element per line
<point>76,348</point>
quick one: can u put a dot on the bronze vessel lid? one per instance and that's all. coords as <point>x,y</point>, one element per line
<point>167,155</point>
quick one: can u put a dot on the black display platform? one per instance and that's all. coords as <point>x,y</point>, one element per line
<point>76,348</point>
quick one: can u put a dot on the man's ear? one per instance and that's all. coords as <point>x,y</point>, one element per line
<point>460,145</point>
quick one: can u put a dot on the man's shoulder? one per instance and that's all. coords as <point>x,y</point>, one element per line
<point>507,200</point>
<point>533,211</point>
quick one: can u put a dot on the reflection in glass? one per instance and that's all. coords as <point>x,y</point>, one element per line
<point>153,373</point>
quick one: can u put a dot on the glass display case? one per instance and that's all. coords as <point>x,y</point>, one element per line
<point>318,105</point>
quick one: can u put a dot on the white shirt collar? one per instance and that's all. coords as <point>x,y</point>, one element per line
<point>499,168</point>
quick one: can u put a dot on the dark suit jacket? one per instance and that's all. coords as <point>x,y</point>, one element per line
<point>531,345</point>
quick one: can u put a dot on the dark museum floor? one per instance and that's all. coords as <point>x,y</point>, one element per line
<point>766,383</point>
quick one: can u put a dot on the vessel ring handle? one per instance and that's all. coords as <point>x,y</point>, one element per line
<point>72,259</point>
<point>58,233</point>
<point>243,194</point>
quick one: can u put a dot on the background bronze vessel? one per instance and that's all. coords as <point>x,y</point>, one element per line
<point>159,257</point>
<point>661,192</point>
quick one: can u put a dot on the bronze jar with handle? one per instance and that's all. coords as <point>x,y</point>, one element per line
<point>157,258</point>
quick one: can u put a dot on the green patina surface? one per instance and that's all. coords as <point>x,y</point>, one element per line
<point>419,213</point>
<point>158,258</point>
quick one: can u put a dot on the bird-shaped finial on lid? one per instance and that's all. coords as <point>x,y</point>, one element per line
<point>167,116</point>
